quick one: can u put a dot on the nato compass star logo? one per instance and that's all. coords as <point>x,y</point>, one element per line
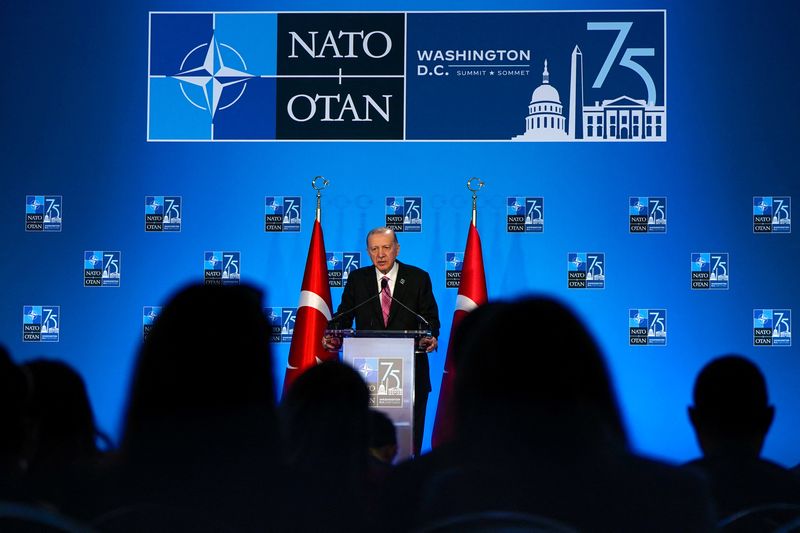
<point>763,319</point>
<point>34,206</point>
<point>638,208</point>
<point>204,67</point>
<point>31,316</point>
<point>699,261</point>
<point>762,208</point>
<point>368,368</point>
<point>637,319</point>
<point>211,261</point>
<point>275,207</point>
<point>149,316</point>
<point>92,261</point>
<point>455,262</point>
<point>394,208</point>
<point>155,206</point>
<point>332,261</point>
<point>365,370</point>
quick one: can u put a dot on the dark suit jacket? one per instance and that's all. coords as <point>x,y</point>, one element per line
<point>412,287</point>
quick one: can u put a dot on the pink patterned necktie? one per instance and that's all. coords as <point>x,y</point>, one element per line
<point>386,300</point>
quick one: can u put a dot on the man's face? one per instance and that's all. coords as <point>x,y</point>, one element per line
<point>383,250</point>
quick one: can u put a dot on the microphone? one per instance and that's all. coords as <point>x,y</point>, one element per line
<point>419,317</point>
<point>337,316</point>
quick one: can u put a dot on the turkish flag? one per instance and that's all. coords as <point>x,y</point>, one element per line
<point>471,294</point>
<point>313,313</point>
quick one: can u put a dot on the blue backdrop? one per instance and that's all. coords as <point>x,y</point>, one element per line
<point>74,117</point>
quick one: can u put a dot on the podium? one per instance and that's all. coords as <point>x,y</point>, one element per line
<point>385,359</point>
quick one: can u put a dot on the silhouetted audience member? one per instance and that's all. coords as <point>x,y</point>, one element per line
<point>382,437</point>
<point>13,393</point>
<point>731,416</point>
<point>62,454</point>
<point>325,415</point>
<point>382,447</point>
<point>200,445</point>
<point>65,433</point>
<point>539,432</point>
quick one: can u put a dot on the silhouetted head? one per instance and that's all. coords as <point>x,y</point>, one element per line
<point>204,374</point>
<point>325,418</point>
<point>382,436</point>
<point>62,415</point>
<point>531,368</point>
<point>731,409</point>
<point>13,393</point>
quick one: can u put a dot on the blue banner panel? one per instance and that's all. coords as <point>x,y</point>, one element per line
<point>519,76</point>
<point>537,76</point>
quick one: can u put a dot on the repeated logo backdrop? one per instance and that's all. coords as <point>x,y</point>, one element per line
<point>609,226</point>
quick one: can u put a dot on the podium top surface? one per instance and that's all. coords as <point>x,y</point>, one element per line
<point>379,333</point>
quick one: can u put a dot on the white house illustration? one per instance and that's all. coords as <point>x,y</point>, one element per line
<point>618,119</point>
<point>624,118</point>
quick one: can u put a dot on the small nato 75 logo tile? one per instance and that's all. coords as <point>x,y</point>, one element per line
<point>43,213</point>
<point>221,268</point>
<point>41,323</point>
<point>340,264</point>
<point>709,270</point>
<point>102,268</point>
<point>647,214</point>
<point>647,327</point>
<point>586,270</point>
<point>404,213</point>
<point>525,214</point>
<point>453,262</point>
<point>282,214</point>
<point>772,214</point>
<point>772,327</point>
<point>384,379</point>
<point>281,322</point>
<point>149,315</point>
<point>163,213</point>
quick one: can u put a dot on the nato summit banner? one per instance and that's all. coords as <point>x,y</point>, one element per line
<point>389,76</point>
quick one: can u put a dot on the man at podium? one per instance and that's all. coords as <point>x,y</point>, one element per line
<point>394,296</point>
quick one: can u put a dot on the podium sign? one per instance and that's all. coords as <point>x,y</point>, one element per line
<point>386,362</point>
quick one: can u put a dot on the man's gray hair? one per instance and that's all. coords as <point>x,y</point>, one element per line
<point>381,229</point>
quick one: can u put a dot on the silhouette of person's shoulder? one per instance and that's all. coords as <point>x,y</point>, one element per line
<point>740,481</point>
<point>404,488</point>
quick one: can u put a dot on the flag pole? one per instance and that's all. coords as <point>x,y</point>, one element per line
<point>318,184</point>
<point>474,185</point>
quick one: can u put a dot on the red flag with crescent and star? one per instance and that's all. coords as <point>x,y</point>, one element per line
<point>471,294</point>
<point>313,313</point>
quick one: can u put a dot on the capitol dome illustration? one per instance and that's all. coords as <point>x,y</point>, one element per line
<point>545,120</point>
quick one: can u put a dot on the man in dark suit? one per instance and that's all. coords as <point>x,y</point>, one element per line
<point>385,287</point>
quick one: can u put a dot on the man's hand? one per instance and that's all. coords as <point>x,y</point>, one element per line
<point>331,343</point>
<point>429,344</point>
